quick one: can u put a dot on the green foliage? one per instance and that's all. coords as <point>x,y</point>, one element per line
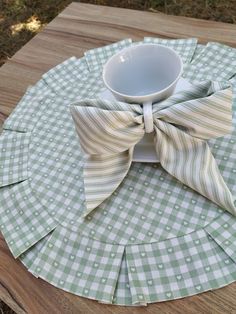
<point>20,20</point>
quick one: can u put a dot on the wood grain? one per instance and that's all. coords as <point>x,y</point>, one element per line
<point>78,28</point>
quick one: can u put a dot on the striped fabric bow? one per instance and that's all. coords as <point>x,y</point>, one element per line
<point>109,130</point>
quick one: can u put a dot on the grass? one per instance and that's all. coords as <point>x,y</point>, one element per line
<point>20,20</point>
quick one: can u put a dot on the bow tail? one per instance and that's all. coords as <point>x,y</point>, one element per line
<point>102,176</point>
<point>190,160</point>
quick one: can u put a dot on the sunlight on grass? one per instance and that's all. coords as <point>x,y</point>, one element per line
<point>32,24</point>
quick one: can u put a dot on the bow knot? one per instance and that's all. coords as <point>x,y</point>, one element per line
<point>109,130</point>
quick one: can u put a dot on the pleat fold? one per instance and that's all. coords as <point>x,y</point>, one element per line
<point>79,264</point>
<point>213,62</point>
<point>68,73</point>
<point>178,267</point>
<point>223,231</point>
<point>23,219</point>
<point>97,57</point>
<point>14,148</point>
<point>26,114</point>
<point>184,47</point>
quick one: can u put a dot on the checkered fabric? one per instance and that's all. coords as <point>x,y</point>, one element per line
<point>99,56</point>
<point>24,221</point>
<point>154,239</point>
<point>177,267</point>
<point>184,47</point>
<point>28,258</point>
<point>223,230</point>
<point>26,113</point>
<point>92,266</point>
<point>215,62</point>
<point>13,157</point>
<point>67,73</point>
<point>198,50</point>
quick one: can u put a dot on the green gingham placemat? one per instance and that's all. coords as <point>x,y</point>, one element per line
<point>154,239</point>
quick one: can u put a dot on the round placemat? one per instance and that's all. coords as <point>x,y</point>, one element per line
<point>154,239</point>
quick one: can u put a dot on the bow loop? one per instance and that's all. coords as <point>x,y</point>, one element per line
<point>207,115</point>
<point>104,131</point>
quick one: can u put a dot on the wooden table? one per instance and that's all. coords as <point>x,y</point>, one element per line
<point>78,28</point>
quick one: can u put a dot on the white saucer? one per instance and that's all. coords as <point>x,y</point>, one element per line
<point>144,151</point>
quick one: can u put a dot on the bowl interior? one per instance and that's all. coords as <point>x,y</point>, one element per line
<point>142,70</point>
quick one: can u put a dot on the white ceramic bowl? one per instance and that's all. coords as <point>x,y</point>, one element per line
<point>143,73</point>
